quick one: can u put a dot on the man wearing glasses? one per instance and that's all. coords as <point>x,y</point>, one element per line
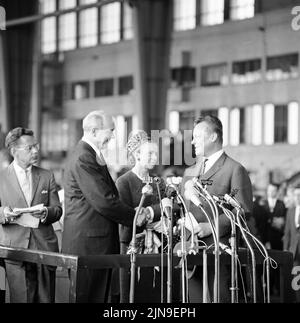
<point>24,185</point>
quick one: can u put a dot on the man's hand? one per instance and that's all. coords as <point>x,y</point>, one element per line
<point>204,230</point>
<point>9,214</point>
<point>142,217</point>
<point>40,214</point>
<point>278,223</point>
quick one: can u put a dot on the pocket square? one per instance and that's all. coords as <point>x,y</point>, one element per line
<point>44,192</point>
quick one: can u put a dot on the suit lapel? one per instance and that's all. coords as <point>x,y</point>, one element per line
<point>13,180</point>
<point>35,181</point>
<point>215,168</point>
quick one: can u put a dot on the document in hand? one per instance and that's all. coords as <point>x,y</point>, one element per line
<point>26,219</point>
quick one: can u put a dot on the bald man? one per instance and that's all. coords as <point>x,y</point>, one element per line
<point>92,206</point>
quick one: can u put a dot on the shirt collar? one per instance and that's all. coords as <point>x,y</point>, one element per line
<point>18,169</point>
<point>214,157</point>
<point>95,148</point>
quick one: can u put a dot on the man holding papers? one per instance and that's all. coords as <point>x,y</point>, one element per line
<point>29,204</point>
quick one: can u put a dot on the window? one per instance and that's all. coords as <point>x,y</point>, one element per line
<point>186,120</point>
<point>80,90</point>
<point>67,26</point>
<point>246,71</point>
<point>256,121</point>
<point>282,67</point>
<point>104,87</point>
<point>293,123</point>
<point>269,124</point>
<point>235,127</point>
<point>48,41</point>
<point>184,14</point>
<point>48,35</point>
<point>242,134</point>
<point>127,22</point>
<point>242,9</point>
<point>223,115</point>
<point>213,75</point>
<point>110,23</point>
<point>212,12</point>
<point>183,76</point>
<point>280,123</point>
<point>125,85</point>
<point>88,25</point>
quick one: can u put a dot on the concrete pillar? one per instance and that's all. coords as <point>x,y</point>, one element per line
<point>152,36</point>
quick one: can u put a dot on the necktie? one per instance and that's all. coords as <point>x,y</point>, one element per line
<point>26,187</point>
<point>202,168</point>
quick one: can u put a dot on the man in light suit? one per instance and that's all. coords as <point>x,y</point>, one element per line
<point>93,209</point>
<point>226,174</point>
<point>23,185</point>
<point>291,238</point>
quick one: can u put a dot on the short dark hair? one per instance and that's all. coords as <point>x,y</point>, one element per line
<point>15,134</point>
<point>275,185</point>
<point>214,123</point>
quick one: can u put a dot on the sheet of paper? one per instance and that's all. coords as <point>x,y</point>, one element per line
<point>26,219</point>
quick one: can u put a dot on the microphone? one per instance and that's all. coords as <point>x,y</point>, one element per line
<point>232,201</point>
<point>191,195</point>
<point>225,248</point>
<point>157,180</point>
<point>147,190</point>
<point>167,206</point>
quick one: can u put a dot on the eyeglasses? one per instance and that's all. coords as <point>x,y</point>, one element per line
<point>29,148</point>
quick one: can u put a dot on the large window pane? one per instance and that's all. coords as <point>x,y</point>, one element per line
<point>184,14</point>
<point>223,115</point>
<point>293,123</point>
<point>88,27</point>
<point>80,90</point>
<point>282,67</point>
<point>256,125</point>
<point>183,76</point>
<point>235,127</point>
<point>67,31</point>
<point>213,75</point>
<point>127,22</point>
<point>67,4</point>
<point>269,124</point>
<point>212,12</point>
<point>104,87</point>
<point>48,6</point>
<point>49,35</point>
<point>242,9</point>
<point>246,71</point>
<point>110,23</point>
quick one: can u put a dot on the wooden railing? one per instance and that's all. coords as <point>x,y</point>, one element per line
<point>77,265</point>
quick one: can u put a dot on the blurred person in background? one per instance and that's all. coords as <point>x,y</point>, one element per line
<point>22,185</point>
<point>291,239</point>
<point>276,213</point>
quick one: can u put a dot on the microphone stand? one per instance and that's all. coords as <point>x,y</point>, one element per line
<point>170,257</point>
<point>157,181</point>
<point>207,196</point>
<point>147,190</point>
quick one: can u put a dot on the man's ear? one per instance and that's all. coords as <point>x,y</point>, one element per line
<point>214,137</point>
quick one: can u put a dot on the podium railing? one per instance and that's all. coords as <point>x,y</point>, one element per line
<point>77,265</point>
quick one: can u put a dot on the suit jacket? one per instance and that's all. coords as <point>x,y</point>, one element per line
<point>92,206</point>
<point>274,235</point>
<point>226,174</point>
<point>43,191</point>
<point>291,238</point>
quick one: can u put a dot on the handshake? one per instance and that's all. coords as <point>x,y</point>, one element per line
<point>143,217</point>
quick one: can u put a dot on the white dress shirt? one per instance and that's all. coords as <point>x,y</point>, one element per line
<point>25,181</point>
<point>272,203</point>
<point>211,160</point>
<point>297,215</point>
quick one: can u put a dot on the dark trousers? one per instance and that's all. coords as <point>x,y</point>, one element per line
<point>196,284</point>
<point>93,286</point>
<point>30,283</point>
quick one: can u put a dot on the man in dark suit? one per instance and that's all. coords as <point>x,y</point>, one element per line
<point>212,163</point>
<point>291,238</point>
<point>23,185</point>
<point>93,209</point>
